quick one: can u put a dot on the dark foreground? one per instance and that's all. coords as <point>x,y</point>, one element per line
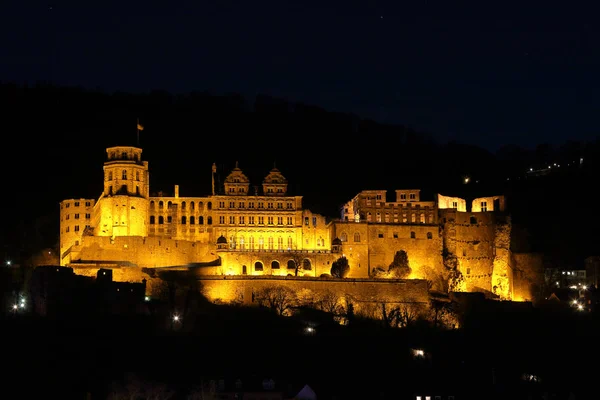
<point>79,357</point>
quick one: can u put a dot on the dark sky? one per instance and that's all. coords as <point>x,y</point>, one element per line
<point>486,73</point>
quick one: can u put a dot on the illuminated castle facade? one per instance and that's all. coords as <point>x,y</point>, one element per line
<point>243,231</point>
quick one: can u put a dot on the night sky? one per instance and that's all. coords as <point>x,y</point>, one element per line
<point>512,72</point>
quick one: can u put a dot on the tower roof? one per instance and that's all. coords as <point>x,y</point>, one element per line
<point>275,177</point>
<point>236,176</point>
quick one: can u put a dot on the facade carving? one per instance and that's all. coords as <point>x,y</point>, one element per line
<point>245,230</point>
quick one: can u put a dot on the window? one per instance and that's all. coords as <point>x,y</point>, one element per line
<point>357,237</point>
<point>380,235</point>
<point>232,204</point>
<point>270,243</point>
<point>344,237</point>
<point>87,203</point>
<point>76,216</point>
<point>231,220</point>
<point>270,220</point>
<point>291,264</point>
<point>242,220</point>
<point>306,221</point>
<point>429,235</point>
<point>274,264</point>
<point>314,221</point>
<point>484,206</point>
<point>251,220</point>
<point>258,266</point>
<point>137,175</point>
<point>192,219</point>
<point>161,220</point>
<point>413,235</point>
<point>280,243</point>
<point>200,220</point>
<point>290,221</point>
<point>208,220</point>
<point>76,204</point>
<point>261,243</point>
<point>221,219</point>
<point>413,196</point>
<point>76,228</point>
<point>279,220</point>
<point>403,196</point>
<point>251,243</point>
<point>473,220</point>
<point>290,243</point>
<point>395,235</point>
<point>110,176</point>
<point>183,220</point>
<point>169,219</point>
<point>454,204</point>
<point>261,220</point>
<point>124,174</point>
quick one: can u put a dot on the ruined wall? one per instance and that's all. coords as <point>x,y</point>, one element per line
<point>75,215</point>
<point>528,275</point>
<point>149,252</point>
<point>355,246</point>
<point>502,272</point>
<point>471,237</point>
<point>447,202</point>
<point>236,288</point>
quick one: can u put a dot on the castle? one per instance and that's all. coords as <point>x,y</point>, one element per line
<point>239,231</point>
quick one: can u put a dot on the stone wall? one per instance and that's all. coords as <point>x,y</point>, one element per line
<point>148,252</point>
<point>528,274</point>
<point>236,288</point>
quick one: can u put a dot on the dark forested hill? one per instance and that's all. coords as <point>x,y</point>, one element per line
<point>55,140</point>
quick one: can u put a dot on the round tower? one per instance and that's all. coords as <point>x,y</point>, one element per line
<point>123,205</point>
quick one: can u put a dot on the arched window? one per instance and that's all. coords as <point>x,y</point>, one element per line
<point>251,243</point>
<point>137,175</point>
<point>161,205</point>
<point>280,243</point>
<point>192,205</point>
<point>183,205</point>
<point>429,235</point>
<point>306,264</point>
<point>192,220</point>
<point>161,220</point>
<point>290,243</point>
<point>242,243</point>
<point>291,264</point>
<point>152,205</point>
<point>152,221</point>
<point>270,243</point>
<point>258,266</point>
<point>357,237</point>
<point>209,221</point>
<point>183,220</point>
<point>274,264</point>
<point>209,205</point>
<point>201,220</point>
<point>344,237</point>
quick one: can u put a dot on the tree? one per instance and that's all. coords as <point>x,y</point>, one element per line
<point>329,302</point>
<point>280,299</point>
<point>298,259</point>
<point>399,268</point>
<point>135,388</point>
<point>340,268</point>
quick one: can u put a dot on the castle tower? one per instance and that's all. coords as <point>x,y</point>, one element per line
<point>236,183</point>
<point>275,183</point>
<point>122,209</point>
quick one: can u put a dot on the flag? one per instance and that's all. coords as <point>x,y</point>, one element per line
<point>140,127</point>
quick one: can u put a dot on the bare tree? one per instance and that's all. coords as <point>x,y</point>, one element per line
<point>280,299</point>
<point>329,302</point>
<point>442,314</point>
<point>135,388</point>
<point>299,264</point>
<point>404,314</point>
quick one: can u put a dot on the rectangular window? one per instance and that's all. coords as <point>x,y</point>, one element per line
<point>261,220</point>
<point>231,220</point>
<point>88,216</point>
<point>76,204</point>
<point>484,206</point>
<point>242,220</point>
<point>221,219</point>
<point>251,220</point>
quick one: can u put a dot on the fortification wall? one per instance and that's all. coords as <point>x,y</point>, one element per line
<point>148,252</point>
<point>235,288</point>
<point>528,275</point>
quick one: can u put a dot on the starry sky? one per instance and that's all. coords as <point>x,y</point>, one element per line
<point>482,73</point>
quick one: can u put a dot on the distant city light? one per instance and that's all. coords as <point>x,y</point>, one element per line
<point>176,318</point>
<point>146,298</point>
<point>9,263</point>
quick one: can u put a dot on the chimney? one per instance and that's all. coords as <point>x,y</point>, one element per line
<point>176,191</point>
